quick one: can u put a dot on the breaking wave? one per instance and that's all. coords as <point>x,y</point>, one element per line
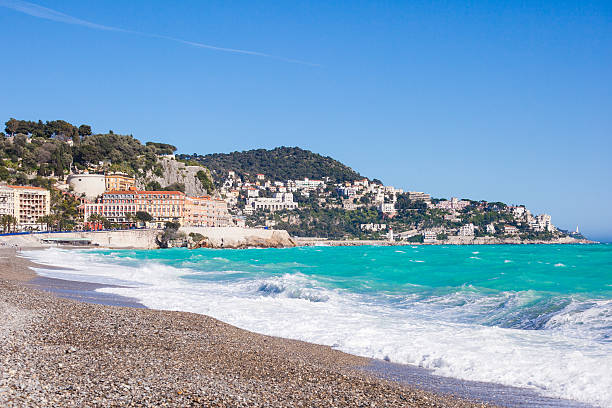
<point>473,327</point>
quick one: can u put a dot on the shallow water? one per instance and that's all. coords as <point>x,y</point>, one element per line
<point>538,317</point>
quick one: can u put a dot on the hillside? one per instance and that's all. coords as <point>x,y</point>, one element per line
<point>281,163</point>
<point>36,153</point>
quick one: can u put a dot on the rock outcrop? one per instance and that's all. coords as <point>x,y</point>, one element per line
<point>238,238</point>
<point>174,171</point>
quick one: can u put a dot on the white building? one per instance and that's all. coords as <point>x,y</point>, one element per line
<point>430,237</point>
<point>363,183</point>
<point>347,191</point>
<point>373,227</point>
<point>518,212</point>
<point>252,192</point>
<point>491,229</point>
<point>379,198</point>
<point>419,196</point>
<point>387,208</point>
<point>453,204</point>
<point>92,185</point>
<point>510,230</point>
<point>541,222</point>
<point>280,201</point>
<point>466,230</point>
<point>307,184</point>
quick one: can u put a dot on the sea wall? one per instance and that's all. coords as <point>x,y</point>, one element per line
<point>453,240</point>
<point>139,239</point>
<point>215,237</point>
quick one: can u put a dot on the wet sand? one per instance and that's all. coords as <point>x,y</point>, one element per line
<point>472,390</point>
<point>82,292</point>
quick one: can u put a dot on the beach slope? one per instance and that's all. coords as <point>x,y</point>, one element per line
<point>59,352</point>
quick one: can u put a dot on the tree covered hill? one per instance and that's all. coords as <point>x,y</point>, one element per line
<point>281,163</point>
<point>32,152</point>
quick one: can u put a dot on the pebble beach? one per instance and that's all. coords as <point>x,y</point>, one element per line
<point>61,352</point>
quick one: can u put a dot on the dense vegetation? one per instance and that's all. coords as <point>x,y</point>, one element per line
<point>36,149</point>
<point>281,163</point>
<point>313,219</point>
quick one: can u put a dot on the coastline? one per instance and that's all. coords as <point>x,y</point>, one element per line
<point>62,352</point>
<point>237,238</point>
<point>456,241</point>
<point>361,379</point>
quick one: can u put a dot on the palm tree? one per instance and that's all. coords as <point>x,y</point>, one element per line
<point>4,222</point>
<point>48,220</point>
<point>14,222</point>
<point>8,223</point>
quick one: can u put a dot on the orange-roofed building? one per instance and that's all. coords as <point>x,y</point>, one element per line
<point>119,182</point>
<point>163,206</point>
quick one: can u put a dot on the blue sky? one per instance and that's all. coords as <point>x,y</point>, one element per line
<point>508,101</point>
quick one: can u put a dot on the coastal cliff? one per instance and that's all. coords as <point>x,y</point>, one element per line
<point>173,172</point>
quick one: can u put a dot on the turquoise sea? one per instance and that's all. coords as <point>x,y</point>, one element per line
<point>530,316</point>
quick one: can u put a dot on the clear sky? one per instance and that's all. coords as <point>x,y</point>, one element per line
<point>496,100</point>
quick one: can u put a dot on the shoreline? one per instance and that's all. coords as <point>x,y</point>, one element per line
<point>411,379</point>
<point>238,238</point>
<point>61,352</point>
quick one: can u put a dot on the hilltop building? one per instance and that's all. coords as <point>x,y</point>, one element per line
<point>453,204</point>
<point>419,196</point>
<point>93,185</point>
<point>119,182</point>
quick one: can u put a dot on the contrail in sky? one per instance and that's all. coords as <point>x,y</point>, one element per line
<point>49,14</point>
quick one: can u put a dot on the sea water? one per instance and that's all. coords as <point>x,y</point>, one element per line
<point>529,316</point>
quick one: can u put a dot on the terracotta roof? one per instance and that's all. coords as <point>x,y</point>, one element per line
<point>145,192</point>
<point>160,192</point>
<point>26,187</point>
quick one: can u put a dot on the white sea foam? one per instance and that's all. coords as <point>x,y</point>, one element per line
<point>559,265</point>
<point>556,362</point>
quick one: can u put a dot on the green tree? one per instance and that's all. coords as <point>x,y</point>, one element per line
<point>143,216</point>
<point>153,186</point>
<point>84,130</point>
<point>48,220</point>
<point>11,126</point>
